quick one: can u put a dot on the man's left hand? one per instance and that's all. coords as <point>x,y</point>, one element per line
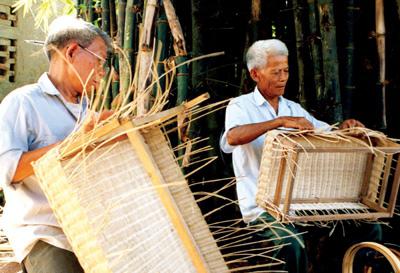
<point>349,123</point>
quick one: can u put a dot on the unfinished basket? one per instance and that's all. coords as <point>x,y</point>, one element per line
<point>328,176</point>
<point>126,206</point>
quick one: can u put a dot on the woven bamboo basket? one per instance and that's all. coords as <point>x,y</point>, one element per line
<point>328,176</point>
<point>125,206</point>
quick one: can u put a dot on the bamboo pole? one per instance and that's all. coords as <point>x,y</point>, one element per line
<point>180,51</point>
<point>176,29</point>
<point>105,16</point>
<point>113,19</point>
<point>299,30</point>
<point>161,49</point>
<point>121,22</point>
<point>315,48</point>
<point>197,42</point>
<point>145,57</point>
<point>91,13</point>
<point>182,80</point>
<point>348,61</point>
<point>132,8</point>
<point>330,59</point>
<point>251,36</point>
<point>380,40</point>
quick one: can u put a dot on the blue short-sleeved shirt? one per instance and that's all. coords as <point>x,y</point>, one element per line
<point>247,109</point>
<point>32,117</point>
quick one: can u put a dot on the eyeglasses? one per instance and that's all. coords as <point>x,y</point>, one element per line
<point>102,61</point>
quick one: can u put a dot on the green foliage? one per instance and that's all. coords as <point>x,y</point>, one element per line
<point>45,10</point>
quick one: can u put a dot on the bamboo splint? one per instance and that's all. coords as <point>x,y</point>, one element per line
<point>126,206</point>
<point>391,255</point>
<point>328,176</point>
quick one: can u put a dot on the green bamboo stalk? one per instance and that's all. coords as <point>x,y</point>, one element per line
<point>121,22</point>
<point>330,59</point>
<point>161,48</point>
<point>105,16</point>
<point>145,55</point>
<point>91,14</point>
<point>348,60</point>
<point>315,48</point>
<point>299,30</point>
<point>180,51</point>
<point>113,18</point>
<point>130,37</point>
<point>182,80</point>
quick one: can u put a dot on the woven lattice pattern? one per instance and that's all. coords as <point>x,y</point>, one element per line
<point>113,216</point>
<point>325,173</point>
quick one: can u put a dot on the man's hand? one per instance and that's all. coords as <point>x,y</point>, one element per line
<point>296,123</point>
<point>350,123</point>
<point>94,119</point>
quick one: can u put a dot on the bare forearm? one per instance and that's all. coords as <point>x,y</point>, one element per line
<point>246,133</point>
<point>24,168</point>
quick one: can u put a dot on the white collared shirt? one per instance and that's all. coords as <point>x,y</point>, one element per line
<point>31,117</point>
<point>247,109</point>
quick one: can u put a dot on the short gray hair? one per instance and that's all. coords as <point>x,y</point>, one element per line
<point>259,51</point>
<point>65,29</point>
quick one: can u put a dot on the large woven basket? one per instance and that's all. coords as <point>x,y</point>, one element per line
<point>126,206</point>
<point>317,177</point>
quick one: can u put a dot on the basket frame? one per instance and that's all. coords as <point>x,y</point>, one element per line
<point>290,160</point>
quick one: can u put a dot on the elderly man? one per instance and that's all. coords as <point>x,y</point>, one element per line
<point>248,118</point>
<point>35,118</point>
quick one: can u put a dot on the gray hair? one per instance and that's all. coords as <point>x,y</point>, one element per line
<point>65,29</point>
<point>256,56</point>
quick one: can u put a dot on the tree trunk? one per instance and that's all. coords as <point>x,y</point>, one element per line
<point>330,59</point>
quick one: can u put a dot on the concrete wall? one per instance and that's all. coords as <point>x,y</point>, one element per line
<point>28,61</point>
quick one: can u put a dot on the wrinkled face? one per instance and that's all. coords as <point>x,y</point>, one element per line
<point>271,80</point>
<point>89,64</point>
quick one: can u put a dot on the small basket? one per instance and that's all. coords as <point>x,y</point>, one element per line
<point>330,176</point>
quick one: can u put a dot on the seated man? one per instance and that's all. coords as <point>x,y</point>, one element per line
<point>33,119</point>
<point>248,118</point>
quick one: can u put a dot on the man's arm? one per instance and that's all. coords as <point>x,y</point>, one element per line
<point>24,167</point>
<point>244,134</point>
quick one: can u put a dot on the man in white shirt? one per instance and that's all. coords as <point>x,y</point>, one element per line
<point>248,118</point>
<point>35,118</point>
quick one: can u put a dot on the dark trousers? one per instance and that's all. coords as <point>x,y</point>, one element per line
<point>45,258</point>
<point>295,255</point>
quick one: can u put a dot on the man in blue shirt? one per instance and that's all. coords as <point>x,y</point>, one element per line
<point>34,119</point>
<point>248,118</point>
